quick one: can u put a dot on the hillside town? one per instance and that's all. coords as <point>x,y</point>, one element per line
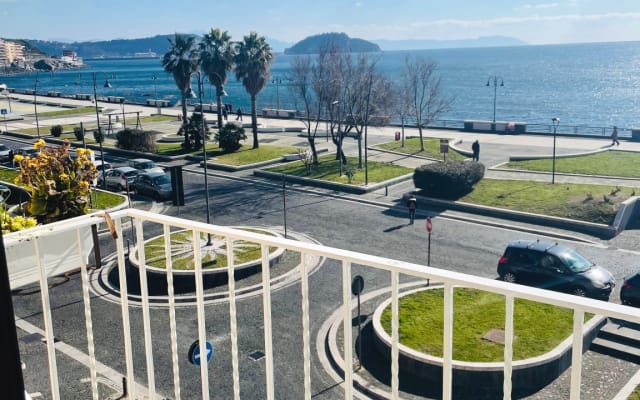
<point>16,57</point>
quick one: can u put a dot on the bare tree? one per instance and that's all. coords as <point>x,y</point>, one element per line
<point>422,84</point>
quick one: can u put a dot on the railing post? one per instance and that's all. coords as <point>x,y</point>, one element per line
<point>14,383</point>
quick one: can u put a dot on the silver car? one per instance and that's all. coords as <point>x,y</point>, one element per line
<point>119,178</point>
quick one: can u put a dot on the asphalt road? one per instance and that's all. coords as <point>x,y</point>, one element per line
<point>457,245</point>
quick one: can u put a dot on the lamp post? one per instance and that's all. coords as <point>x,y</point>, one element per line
<point>277,82</point>
<point>555,121</point>
<point>204,154</point>
<point>494,81</point>
<point>154,78</point>
<point>5,93</point>
<point>35,102</point>
<point>100,136</point>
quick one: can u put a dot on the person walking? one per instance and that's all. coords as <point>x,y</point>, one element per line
<point>614,137</point>
<point>475,147</point>
<point>239,114</point>
<point>225,113</point>
<point>412,204</point>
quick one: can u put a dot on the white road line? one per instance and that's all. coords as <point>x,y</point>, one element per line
<point>110,374</point>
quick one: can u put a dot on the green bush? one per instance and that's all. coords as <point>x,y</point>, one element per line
<point>229,137</point>
<point>136,140</point>
<point>79,132</point>
<point>448,180</point>
<point>98,135</point>
<point>56,130</point>
<point>194,126</point>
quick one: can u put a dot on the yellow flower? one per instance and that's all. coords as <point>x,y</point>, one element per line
<point>64,177</point>
<point>40,144</point>
<point>18,158</point>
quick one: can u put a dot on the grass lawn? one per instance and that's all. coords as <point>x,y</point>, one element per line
<point>182,251</point>
<point>246,155</point>
<point>609,163</point>
<point>538,328</point>
<point>130,122</point>
<point>66,111</point>
<point>635,395</point>
<point>592,203</point>
<point>412,146</point>
<point>328,169</point>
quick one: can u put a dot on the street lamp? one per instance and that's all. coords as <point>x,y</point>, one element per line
<point>555,121</point>
<point>277,82</point>
<point>100,136</point>
<point>204,154</point>
<point>35,102</point>
<point>5,93</point>
<point>495,80</point>
<point>154,78</point>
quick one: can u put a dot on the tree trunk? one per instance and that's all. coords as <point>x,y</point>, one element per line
<point>314,151</point>
<point>254,121</point>
<point>421,140</point>
<point>219,105</point>
<point>187,143</point>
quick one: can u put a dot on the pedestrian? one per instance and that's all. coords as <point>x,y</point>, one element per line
<point>412,204</point>
<point>614,137</point>
<point>225,113</point>
<point>476,150</point>
<point>239,114</point>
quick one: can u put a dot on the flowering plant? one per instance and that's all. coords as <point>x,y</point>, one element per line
<point>59,185</point>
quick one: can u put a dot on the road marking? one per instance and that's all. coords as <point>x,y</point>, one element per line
<point>109,373</point>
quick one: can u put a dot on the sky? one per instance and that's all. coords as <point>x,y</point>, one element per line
<point>534,22</point>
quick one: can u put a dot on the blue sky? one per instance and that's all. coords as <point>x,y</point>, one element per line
<point>535,22</point>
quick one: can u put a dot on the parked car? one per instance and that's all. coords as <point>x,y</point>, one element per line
<point>27,151</point>
<point>153,184</point>
<point>145,165</point>
<point>553,266</point>
<point>119,178</point>
<point>5,153</point>
<point>100,166</point>
<point>630,291</point>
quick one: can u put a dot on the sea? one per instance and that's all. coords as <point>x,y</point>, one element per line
<point>584,85</point>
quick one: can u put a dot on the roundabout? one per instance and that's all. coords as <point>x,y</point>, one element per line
<point>284,272</point>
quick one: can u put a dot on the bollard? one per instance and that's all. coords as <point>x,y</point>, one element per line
<point>386,190</point>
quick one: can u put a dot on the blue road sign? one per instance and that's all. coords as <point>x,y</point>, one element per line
<point>195,355</point>
<point>3,111</point>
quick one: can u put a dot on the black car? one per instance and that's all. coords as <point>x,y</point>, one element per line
<point>553,266</point>
<point>630,291</point>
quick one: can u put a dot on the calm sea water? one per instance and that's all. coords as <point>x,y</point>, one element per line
<point>582,84</point>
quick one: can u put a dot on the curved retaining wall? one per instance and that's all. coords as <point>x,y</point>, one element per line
<point>485,380</point>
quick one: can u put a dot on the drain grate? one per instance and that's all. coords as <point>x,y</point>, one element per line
<point>31,338</point>
<point>256,355</point>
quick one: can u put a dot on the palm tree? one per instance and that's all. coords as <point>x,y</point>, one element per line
<point>216,58</point>
<point>253,59</point>
<point>182,61</point>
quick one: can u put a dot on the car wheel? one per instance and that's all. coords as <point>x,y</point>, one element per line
<point>509,277</point>
<point>578,291</point>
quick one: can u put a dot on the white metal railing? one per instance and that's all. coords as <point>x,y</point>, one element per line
<point>449,279</point>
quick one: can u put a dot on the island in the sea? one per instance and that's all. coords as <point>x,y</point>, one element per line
<point>341,41</point>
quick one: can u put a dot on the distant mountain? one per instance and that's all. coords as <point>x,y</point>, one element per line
<point>485,41</point>
<point>278,46</point>
<point>313,44</point>
<point>109,48</point>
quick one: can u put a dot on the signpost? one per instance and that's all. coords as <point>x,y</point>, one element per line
<point>444,148</point>
<point>3,111</point>
<point>429,229</point>
<point>357,285</point>
<point>195,353</point>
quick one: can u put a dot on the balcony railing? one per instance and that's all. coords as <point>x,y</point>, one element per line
<point>143,222</point>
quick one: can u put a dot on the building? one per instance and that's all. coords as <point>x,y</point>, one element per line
<point>11,51</point>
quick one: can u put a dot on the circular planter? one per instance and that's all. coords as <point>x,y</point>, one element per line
<point>244,268</point>
<point>486,378</point>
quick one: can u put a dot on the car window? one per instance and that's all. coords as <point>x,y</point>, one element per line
<point>551,263</point>
<point>574,261</point>
<point>130,174</point>
<point>161,180</point>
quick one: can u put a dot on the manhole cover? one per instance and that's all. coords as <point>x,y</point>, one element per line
<point>33,337</point>
<point>256,355</point>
